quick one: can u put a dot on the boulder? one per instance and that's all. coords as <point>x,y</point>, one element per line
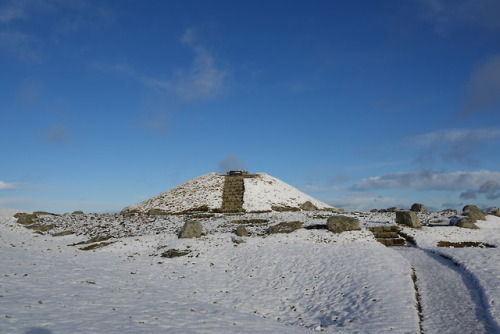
<point>417,207</point>
<point>285,227</point>
<point>469,207</point>
<point>191,229</point>
<point>496,212</point>
<point>78,212</point>
<point>308,206</point>
<point>408,218</point>
<point>467,222</point>
<point>476,215</point>
<point>339,224</point>
<point>241,231</point>
<point>473,212</point>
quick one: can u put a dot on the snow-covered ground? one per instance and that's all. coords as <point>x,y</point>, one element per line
<point>265,191</point>
<point>204,190</point>
<point>309,280</point>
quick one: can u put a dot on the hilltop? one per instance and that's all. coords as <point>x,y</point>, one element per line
<point>215,192</point>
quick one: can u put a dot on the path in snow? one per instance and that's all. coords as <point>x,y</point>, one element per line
<point>451,300</point>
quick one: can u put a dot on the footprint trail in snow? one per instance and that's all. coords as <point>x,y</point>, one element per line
<point>451,300</point>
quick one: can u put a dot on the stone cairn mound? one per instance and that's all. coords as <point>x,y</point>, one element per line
<point>388,235</point>
<point>233,192</point>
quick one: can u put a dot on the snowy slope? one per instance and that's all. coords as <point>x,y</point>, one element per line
<point>205,190</point>
<point>262,192</point>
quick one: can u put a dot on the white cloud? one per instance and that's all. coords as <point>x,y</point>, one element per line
<point>204,80</point>
<point>6,185</point>
<point>428,180</point>
<point>461,145</point>
<point>483,88</point>
<point>490,189</point>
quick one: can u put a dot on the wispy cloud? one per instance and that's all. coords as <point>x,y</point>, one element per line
<point>20,45</point>
<point>455,136</point>
<point>8,185</point>
<point>231,162</point>
<point>428,180</point>
<point>157,120</point>
<point>31,91</point>
<point>204,79</point>
<point>446,16</point>
<point>57,134</point>
<point>460,145</point>
<point>59,17</point>
<point>12,11</point>
<point>483,88</point>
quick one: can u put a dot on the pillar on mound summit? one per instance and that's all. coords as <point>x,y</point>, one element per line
<point>234,191</point>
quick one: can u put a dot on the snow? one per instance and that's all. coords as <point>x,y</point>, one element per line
<point>480,265</point>
<point>205,190</point>
<point>264,191</point>
<point>306,281</point>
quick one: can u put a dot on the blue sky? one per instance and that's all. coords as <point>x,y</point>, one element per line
<point>361,104</point>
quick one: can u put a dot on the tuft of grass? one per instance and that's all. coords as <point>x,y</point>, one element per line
<point>464,244</point>
<point>95,246</point>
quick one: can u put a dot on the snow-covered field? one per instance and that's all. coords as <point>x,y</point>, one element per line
<point>309,280</point>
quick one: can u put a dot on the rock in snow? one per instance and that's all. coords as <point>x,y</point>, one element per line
<point>191,229</point>
<point>417,207</point>
<point>408,218</point>
<point>339,224</point>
